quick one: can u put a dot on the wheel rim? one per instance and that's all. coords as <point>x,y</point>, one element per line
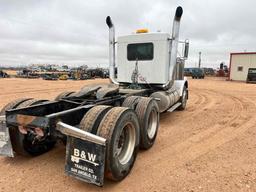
<point>152,124</point>
<point>125,144</point>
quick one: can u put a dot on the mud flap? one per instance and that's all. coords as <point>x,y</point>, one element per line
<point>85,155</point>
<point>5,141</point>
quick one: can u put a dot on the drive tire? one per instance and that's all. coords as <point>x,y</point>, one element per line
<point>148,113</point>
<point>12,105</point>
<point>183,99</point>
<point>93,117</point>
<point>63,95</point>
<point>120,127</point>
<point>131,102</point>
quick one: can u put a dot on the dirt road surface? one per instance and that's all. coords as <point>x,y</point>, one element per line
<point>209,147</point>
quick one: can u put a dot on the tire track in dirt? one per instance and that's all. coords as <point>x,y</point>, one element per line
<point>205,111</point>
<point>199,103</point>
<point>174,125</point>
<point>213,122</point>
<point>230,121</point>
<point>205,141</point>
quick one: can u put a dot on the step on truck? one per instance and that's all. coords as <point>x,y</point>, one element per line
<point>104,126</point>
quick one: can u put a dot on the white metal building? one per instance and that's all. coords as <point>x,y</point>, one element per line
<point>239,65</point>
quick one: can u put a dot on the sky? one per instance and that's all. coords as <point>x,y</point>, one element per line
<point>74,32</point>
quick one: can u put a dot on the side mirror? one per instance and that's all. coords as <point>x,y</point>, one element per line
<point>186,49</point>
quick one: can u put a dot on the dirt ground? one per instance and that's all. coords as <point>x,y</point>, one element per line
<point>211,146</point>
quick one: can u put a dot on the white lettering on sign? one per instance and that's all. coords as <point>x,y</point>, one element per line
<point>84,156</point>
<point>74,170</point>
<point>85,171</point>
<point>76,152</point>
<point>91,157</point>
<point>84,168</point>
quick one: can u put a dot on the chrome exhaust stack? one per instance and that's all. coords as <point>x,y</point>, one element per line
<point>112,51</point>
<point>174,46</point>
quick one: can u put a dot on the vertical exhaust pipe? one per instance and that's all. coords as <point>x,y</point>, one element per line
<point>174,46</point>
<point>112,50</point>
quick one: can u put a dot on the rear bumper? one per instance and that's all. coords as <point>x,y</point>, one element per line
<point>5,141</point>
<point>78,133</point>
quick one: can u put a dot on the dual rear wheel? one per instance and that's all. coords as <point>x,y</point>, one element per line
<point>147,111</point>
<point>126,129</point>
<point>120,127</point>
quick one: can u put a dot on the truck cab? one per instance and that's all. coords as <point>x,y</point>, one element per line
<point>142,56</point>
<point>150,51</point>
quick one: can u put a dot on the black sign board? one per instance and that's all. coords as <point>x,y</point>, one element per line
<point>85,160</point>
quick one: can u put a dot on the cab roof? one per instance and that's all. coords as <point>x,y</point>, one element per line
<point>144,37</point>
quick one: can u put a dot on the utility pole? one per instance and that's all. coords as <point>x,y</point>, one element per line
<point>199,63</point>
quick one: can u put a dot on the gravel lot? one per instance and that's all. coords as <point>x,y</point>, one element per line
<point>211,146</point>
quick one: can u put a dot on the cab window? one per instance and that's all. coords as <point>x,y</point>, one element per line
<point>140,51</point>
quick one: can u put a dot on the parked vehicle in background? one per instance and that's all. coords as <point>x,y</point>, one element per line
<point>188,72</point>
<point>27,73</point>
<point>50,76</point>
<point>223,71</point>
<point>209,71</point>
<point>79,74</point>
<point>98,72</point>
<point>65,68</point>
<point>251,76</point>
<point>64,77</point>
<point>3,74</point>
<point>197,73</point>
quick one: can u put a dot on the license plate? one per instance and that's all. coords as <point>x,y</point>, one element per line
<point>85,160</point>
<point>5,142</point>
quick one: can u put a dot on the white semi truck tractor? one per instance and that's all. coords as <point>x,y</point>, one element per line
<point>104,126</point>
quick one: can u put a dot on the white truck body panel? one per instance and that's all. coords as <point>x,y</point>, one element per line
<point>179,85</point>
<point>155,71</point>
